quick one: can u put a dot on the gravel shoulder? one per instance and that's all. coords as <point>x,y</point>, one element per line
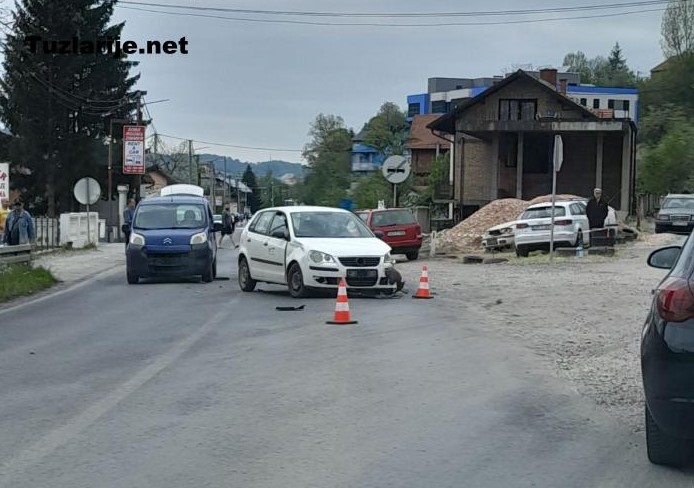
<point>584,316</point>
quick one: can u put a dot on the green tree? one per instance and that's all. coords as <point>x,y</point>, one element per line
<point>669,166</point>
<point>372,188</point>
<point>250,181</point>
<point>328,154</point>
<point>57,106</point>
<point>601,71</point>
<point>387,130</point>
<point>677,28</point>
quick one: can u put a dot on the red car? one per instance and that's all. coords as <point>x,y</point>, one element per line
<point>399,228</point>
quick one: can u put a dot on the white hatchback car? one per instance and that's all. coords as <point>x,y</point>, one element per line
<point>571,227</point>
<point>308,248</point>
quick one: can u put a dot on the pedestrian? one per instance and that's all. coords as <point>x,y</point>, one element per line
<point>19,226</point>
<point>128,216</point>
<point>596,211</point>
<point>228,226</point>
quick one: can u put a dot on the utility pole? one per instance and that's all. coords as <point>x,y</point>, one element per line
<point>226,183</point>
<point>156,145</point>
<point>190,162</point>
<point>138,177</point>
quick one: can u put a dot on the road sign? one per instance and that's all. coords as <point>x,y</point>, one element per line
<point>4,182</point>
<point>396,169</point>
<point>134,149</point>
<point>558,153</point>
<point>87,191</point>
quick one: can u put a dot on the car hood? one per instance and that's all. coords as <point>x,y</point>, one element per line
<point>676,211</point>
<point>502,226</point>
<point>345,247</point>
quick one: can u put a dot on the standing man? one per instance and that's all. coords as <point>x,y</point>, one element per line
<point>596,211</point>
<point>19,226</point>
<point>128,215</point>
<point>227,226</point>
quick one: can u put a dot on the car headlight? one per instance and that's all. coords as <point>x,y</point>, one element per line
<point>137,239</point>
<point>507,230</point>
<point>663,217</point>
<point>320,257</point>
<point>388,259</point>
<point>200,238</point>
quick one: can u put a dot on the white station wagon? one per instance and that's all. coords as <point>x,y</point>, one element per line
<point>310,248</point>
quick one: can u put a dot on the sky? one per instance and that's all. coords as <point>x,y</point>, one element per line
<point>262,84</point>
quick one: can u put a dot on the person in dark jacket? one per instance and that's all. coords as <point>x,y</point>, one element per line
<point>597,212</point>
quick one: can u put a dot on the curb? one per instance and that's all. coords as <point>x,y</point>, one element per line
<point>60,288</point>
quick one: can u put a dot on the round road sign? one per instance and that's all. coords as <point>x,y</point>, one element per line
<point>87,191</point>
<point>396,169</point>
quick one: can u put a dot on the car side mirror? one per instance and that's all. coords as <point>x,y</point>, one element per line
<point>217,227</point>
<point>665,257</point>
<point>281,234</point>
<point>379,234</point>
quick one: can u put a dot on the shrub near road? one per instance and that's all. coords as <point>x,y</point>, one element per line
<point>21,280</point>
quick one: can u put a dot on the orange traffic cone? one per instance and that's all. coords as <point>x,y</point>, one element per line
<point>342,315</point>
<point>423,290</point>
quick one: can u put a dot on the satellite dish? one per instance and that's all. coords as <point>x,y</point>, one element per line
<point>87,191</point>
<point>396,169</point>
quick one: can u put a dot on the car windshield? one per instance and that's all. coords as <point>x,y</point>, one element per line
<point>687,203</point>
<point>392,217</point>
<point>170,216</point>
<point>329,224</point>
<point>542,213</point>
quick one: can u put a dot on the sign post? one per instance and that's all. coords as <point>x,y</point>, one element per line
<point>557,160</point>
<point>133,149</point>
<point>87,191</point>
<point>4,182</point>
<point>396,169</point>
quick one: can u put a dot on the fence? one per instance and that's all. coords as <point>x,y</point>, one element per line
<point>47,233</point>
<point>15,254</point>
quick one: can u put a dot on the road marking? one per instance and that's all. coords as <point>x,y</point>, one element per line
<point>70,288</point>
<point>62,435</point>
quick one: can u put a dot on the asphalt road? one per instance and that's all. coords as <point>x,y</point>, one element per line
<point>197,385</point>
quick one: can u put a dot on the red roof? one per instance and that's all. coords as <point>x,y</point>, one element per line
<point>420,136</point>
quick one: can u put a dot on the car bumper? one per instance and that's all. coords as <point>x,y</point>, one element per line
<point>668,226</point>
<point>667,368</point>
<point>327,276</point>
<point>149,263</point>
<point>561,238</point>
<point>497,242</point>
<point>402,247</point>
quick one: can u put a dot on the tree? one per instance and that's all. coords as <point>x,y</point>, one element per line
<point>668,167</point>
<point>57,106</point>
<point>387,130</point>
<point>371,189</point>
<point>250,181</point>
<point>677,28</point>
<point>579,63</point>
<point>328,154</point>
<point>601,71</point>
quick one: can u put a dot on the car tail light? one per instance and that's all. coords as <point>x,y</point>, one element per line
<point>563,222</point>
<point>675,301</point>
<point>522,226</point>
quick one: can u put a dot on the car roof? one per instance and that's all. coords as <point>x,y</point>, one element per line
<point>680,195</point>
<point>174,199</point>
<point>301,209</point>
<point>558,203</point>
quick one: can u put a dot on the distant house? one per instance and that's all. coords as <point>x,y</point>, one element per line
<point>424,147</point>
<point>504,140</point>
<point>365,158</point>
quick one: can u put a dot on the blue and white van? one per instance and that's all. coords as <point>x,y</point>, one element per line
<point>173,235</point>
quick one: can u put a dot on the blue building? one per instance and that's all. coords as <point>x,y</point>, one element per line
<point>365,158</point>
<point>445,94</point>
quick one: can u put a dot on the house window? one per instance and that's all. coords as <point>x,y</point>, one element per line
<point>439,107</point>
<point>596,103</point>
<point>413,109</point>
<point>625,105</point>
<point>620,104</point>
<point>610,104</point>
<point>584,102</point>
<point>517,109</point>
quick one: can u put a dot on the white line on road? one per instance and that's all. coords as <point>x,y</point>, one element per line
<point>62,435</point>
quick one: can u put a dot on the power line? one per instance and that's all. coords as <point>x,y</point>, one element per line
<point>574,8</point>
<point>382,24</point>
<point>236,146</point>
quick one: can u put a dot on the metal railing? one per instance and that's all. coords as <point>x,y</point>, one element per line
<point>15,254</point>
<point>47,233</point>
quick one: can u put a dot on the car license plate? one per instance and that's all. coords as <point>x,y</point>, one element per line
<point>492,241</point>
<point>397,233</point>
<point>540,227</point>
<point>680,222</point>
<point>362,273</point>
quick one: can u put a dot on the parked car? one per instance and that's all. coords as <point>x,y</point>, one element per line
<point>676,214</point>
<point>173,235</point>
<point>399,227</point>
<point>499,237</point>
<point>532,230</point>
<point>311,248</point>
<point>667,358</point>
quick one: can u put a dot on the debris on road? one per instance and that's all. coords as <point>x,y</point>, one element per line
<point>290,309</point>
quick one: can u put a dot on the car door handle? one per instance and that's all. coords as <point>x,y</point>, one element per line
<point>265,244</point>
<point>248,240</point>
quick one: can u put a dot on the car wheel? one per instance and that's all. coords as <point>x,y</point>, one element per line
<point>662,448</point>
<point>208,275</point>
<point>659,230</point>
<point>522,251</point>
<point>133,279</point>
<point>295,282</point>
<point>246,283</point>
<point>412,256</point>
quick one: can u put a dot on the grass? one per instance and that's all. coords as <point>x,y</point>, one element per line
<point>22,280</point>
